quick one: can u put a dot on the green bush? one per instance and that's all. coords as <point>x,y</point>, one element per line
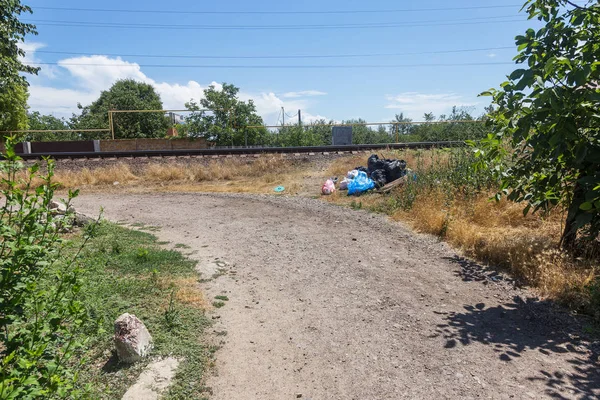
<point>40,310</point>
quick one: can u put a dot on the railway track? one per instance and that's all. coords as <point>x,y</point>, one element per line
<point>238,151</point>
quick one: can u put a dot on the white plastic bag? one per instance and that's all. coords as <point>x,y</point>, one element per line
<point>344,183</point>
<point>352,174</point>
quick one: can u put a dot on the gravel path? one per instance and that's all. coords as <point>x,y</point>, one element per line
<point>330,303</point>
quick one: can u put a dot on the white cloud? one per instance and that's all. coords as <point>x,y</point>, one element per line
<point>492,55</point>
<point>414,104</point>
<point>268,105</point>
<point>91,74</point>
<point>58,102</point>
<point>48,71</point>
<point>303,93</point>
<point>96,73</point>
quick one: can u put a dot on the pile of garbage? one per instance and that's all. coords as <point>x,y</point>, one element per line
<point>378,173</point>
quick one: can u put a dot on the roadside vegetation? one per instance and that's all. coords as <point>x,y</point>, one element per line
<point>62,288</point>
<point>127,271</point>
<point>250,175</point>
<point>451,200</point>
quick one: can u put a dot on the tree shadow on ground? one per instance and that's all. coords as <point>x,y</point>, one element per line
<point>470,271</point>
<point>528,325</point>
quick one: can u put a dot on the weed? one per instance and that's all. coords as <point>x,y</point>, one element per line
<point>43,317</point>
<point>221,297</point>
<point>356,205</point>
<point>218,304</point>
<point>182,246</point>
<point>142,254</point>
<point>171,313</point>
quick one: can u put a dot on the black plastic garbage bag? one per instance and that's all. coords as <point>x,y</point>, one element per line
<point>394,169</point>
<point>379,177</point>
<point>374,163</point>
<point>363,169</point>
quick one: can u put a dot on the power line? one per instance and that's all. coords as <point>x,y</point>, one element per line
<point>360,66</point>
<point>290,12</point>
<point>90,24</point>
<point>277,56</point>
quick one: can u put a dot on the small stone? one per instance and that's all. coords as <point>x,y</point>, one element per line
<point>298,395</point>
<point>58,207</point>
<point>116,183</point>
<point>132,340</point>
<point>82,219</point>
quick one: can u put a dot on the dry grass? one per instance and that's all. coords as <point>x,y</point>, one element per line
<point>187,292</point>
<point>101,176</point>
<point>229,175</point>
<point>499,234</point>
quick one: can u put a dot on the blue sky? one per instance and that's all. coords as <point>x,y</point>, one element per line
<point>375,93</point>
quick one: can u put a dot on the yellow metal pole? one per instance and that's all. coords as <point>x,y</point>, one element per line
<point>112,127</point>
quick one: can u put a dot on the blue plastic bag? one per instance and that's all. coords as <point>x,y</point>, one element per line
<point>360,184</point>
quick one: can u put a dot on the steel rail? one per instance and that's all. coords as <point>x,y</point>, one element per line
<point>238,151</point>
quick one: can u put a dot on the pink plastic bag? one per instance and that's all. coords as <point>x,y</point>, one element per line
<point>328,187</point>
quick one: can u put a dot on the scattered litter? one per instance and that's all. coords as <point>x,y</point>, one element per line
<point>279,189</point>
<point>344,183</point>
<point>362,183</point>
<point>328,187</point>
<point>382,174</point>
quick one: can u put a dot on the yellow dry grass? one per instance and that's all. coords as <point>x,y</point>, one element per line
<point>229,175</point>
<point>187,291</point>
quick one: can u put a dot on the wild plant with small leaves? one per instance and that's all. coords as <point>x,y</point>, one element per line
<point>40,310</point>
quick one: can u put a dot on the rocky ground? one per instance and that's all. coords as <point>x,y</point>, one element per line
<point>326,302</point>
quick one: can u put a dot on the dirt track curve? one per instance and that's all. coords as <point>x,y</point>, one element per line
<point>331,303</point>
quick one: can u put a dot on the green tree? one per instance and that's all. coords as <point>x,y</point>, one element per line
<point>13,85</point>
<point>548,112</point>
<point>404,127</point>
<point>50,123</point>
<point>13,107</point>
<point>12,33</point>
<point>126,94</point>
<point>227,121</point>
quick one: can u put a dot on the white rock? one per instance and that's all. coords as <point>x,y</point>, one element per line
<point>58,206</point>
<point>132,339</point>
<point>153,381</point>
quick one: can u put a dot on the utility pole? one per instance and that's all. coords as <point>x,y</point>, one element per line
<point>299,117</point>
<point>282,124</point>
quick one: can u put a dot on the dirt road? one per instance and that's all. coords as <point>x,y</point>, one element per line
<point>331,303</point>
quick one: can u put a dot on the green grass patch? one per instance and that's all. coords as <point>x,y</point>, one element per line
<point>218,304</point>
<point>127,271</point>
<point>224,298</point>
